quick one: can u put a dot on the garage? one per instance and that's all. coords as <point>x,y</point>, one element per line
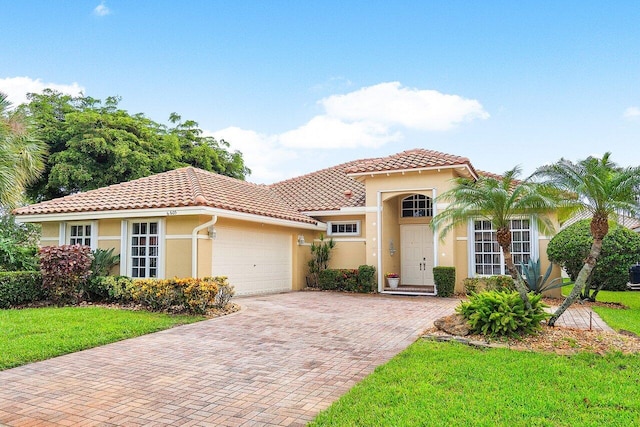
<point>255,261</point>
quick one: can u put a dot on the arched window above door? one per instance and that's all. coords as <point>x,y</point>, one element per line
<point>416,205</point>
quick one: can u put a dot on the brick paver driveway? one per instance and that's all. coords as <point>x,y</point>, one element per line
<point>278,362</point>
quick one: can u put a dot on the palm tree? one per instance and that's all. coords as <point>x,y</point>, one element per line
<point>498,200</point>
<point>601,188</point>
<point>21,154</point>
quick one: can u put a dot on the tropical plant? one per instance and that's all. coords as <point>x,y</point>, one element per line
<point>320,256</point>
<point>498,200</point>
<point>620,250</point>
<point>536,282</point>
<point>21,154</point>
<point>600,187</point>
<point>65,270</point>
<point>502,313</point>
<point>103,261</point>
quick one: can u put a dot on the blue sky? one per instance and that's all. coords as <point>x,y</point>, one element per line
<point>301,85</point>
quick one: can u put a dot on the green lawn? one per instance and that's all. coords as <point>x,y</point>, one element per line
<point>30,335</point>
<point>621,319</point>
<point>449,384</point>
<point>618,319</point>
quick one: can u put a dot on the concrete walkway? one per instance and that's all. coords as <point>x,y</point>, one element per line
<point>278,362</point>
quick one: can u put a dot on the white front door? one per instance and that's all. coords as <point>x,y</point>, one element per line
<point>417,255</point>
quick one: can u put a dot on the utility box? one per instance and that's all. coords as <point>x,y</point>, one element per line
<point>634,274</point>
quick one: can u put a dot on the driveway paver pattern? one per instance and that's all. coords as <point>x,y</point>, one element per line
<point>278,362</point>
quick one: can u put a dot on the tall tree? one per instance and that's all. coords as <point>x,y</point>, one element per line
<point>498,200</point>
<point>21,154</point>
<point>601,188</point>
<point>95,143</point>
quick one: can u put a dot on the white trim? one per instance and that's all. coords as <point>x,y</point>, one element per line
<point>463,238</point>
<point>178,236</point>
<point>534,242</point>
<point>160,265</point>
<point>49,239</point>
<point>434,212</point>
<point>167,212</point>
<point>357,222</point>
<point>378,237</point>
<point>419,170</point>
<point>194,244</point>
<point>109,237</point>
<point>94,235</point>
<point>347,239</point>
<point>124,250</point>
<point>62,233</point>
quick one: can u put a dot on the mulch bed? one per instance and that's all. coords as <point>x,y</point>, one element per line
<point>559,340</point>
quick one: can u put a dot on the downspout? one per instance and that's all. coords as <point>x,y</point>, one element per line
<point>194,244</point>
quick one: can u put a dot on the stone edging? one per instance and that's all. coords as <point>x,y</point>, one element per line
<point>461,340</point>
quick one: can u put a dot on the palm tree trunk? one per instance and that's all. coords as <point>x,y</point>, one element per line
<point>581,280</point>
<point>517,278</point>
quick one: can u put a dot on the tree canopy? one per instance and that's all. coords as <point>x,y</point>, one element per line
<point>21,154</point>
<point>601,188</point>
<point>94,143</point>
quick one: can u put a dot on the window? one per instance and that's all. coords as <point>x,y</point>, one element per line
<point>487,255</point>
<point>343,228</point>
<point>144,249</point>
<point>416,206</point>
<point>80,234</point>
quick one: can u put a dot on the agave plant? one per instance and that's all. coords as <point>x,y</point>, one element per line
<point>537,282</point>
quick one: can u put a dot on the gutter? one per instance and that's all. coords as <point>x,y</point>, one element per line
<point>194,244</point>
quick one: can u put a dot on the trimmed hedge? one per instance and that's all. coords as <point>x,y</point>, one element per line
<point>348,280</point>
<point>193,295</point>
<point>20,287</point>
<point>445,279</point>
<point>620,250</point>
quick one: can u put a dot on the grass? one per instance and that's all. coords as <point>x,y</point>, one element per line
<point>450,384</point>
<point>616,318</point>
<point>30,335</point>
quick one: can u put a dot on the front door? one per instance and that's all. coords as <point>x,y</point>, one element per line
<point>417,255</point>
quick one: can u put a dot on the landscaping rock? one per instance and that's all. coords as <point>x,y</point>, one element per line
<point>454,324</point>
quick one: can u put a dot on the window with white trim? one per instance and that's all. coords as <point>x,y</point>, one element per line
<point>80,234</point>
<point>343,228</point>
<point>487,255</point>
<point>416,205</point>
<point>144,249</point>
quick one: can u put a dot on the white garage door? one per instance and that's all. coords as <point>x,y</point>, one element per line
<point>254,261</point>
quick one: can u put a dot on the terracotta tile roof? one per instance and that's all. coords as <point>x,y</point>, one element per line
<point>326,189</point>
<point>178,188</point>
<point>412,159</point>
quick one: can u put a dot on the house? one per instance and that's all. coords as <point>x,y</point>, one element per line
<point>189,222</point>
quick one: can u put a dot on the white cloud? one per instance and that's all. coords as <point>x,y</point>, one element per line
<point>394,105</point>
<point>267,160</point>
<point>632,113</point>
<point>17,88</point>
<point>331,132</point>
<point>369,117</point>
<point>101,10</point>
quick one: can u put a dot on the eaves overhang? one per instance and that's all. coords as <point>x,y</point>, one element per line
<point>168,212</point>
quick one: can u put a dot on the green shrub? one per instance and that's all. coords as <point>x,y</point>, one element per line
<point>193,295</point>
<point>103,261</point>
<point>20,287</point>
<point>348,280</point>
<point>445,280</point>
<point>65,270</point>
<point>18,244</point>
<point>492,283</point>
<point>502,313</point>
<point>366,278</point>
<point>620,250</point>
<point>112,288</point>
